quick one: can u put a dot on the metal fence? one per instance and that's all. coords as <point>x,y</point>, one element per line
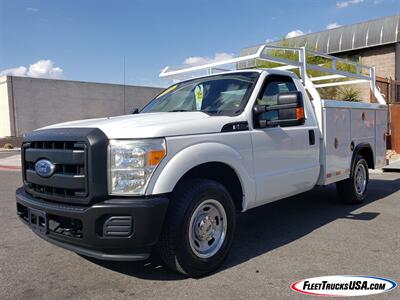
<point>394,91</point>
<point>390,89</point>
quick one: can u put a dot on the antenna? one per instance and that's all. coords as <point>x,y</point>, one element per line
<point>124,88</point>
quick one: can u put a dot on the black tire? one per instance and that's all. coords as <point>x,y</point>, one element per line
<point>174,246</point>
<point>347,189</point>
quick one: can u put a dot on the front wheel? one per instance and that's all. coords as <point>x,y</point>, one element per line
<point>199,227</point>
<point>354,189</point>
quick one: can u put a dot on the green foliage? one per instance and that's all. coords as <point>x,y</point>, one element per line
<point>8,146</point>
<point>328,93</point>
<point>349,93</point>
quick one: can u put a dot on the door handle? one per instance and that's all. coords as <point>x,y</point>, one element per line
<point>311,137</point>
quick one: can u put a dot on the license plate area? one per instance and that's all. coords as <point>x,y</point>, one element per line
<point>38,220</point>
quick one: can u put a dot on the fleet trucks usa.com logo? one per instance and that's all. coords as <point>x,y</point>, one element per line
<point>343,285</point>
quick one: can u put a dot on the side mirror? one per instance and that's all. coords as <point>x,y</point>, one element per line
<point>134,111</point>
<point>289,111</point>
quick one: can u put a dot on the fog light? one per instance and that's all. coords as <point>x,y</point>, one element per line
<point>118,226</point>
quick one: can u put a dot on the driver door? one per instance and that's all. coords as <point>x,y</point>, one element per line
<point>286,158</point>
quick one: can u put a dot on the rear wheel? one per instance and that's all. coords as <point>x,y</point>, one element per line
<point>199,227</point>
<point>354,189</point>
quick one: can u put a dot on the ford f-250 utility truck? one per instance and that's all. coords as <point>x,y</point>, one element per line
<point>174,176</point>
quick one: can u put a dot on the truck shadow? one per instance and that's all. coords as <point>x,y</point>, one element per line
<point>271,226</point>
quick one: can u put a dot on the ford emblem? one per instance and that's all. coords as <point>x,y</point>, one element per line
<point>44,168</point>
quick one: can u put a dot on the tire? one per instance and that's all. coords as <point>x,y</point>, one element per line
<point>192,202</point>
<point>354,189</point>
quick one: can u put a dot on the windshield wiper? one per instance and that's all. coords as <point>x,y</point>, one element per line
<point>178,110</point>
<point>214,112</point>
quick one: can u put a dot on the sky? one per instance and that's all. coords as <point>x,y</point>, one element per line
<point>90,40</point>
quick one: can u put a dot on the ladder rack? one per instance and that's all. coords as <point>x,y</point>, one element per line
<point>328,73</point>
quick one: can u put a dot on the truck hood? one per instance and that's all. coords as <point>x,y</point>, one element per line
<point>149,125</point>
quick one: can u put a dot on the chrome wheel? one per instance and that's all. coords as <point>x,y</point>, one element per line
<point>360,178</point>
<point>207,228</point>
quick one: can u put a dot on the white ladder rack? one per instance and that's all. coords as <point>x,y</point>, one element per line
<point>362,73</point>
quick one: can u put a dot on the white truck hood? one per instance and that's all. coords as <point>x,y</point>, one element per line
<point>149,125</point>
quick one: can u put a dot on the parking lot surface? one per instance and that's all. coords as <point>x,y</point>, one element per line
<point>309,235</point>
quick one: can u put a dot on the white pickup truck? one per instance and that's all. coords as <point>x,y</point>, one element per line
<point>174,176</point>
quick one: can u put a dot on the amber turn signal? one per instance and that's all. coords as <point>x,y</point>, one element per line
<point>299,113</point>
<point>154,157</point>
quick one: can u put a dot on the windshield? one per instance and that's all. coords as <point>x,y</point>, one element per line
<point>225,94</point>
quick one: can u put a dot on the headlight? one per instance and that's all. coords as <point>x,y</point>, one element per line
<point>131,164</point>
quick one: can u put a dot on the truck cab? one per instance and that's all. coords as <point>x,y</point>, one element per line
<point>174,176</point>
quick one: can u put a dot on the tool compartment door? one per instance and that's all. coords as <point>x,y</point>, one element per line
<point>346,125</point>
<point>336,143</point>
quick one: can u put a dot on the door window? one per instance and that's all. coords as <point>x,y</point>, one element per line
<point>269,95</point>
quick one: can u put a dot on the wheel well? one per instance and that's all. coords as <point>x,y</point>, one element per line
<point>221,173</point>
<point>367,153</point>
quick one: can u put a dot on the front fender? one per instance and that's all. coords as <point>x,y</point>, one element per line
<point>171,171</point>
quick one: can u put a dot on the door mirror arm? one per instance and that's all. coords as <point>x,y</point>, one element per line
<point>259,109</point>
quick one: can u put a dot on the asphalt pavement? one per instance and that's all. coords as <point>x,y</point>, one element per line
<point>309,235</point>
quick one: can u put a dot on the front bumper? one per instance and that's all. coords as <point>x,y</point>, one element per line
<point>115,229</point>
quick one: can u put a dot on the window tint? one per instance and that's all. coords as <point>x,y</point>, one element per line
<point>269,97</point>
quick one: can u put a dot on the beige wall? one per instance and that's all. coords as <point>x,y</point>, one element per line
<point>40,102</point>
<point>384,61</point>
<point>383,58</point>
<point>5,129</point>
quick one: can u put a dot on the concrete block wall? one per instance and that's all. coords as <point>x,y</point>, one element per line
<point>39,102</point>
<point>383,59</point>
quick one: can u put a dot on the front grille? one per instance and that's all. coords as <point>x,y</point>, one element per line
<point>70,177</point>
